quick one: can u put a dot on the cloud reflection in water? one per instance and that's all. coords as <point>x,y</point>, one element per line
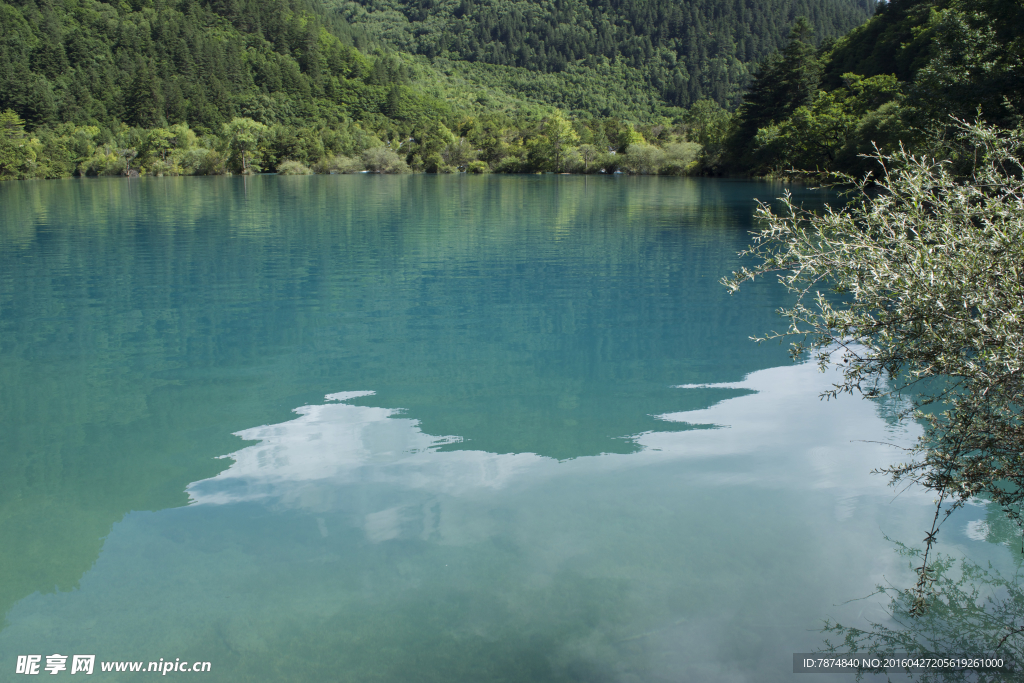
<point>796,440</point>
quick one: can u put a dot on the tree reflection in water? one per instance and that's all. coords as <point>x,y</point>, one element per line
<point>973,609</point>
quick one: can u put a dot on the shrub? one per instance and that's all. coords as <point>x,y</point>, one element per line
<point>102,162</point>
<point>289,167</point>
<point>199,161</point>
<point>384,160</point>
<point>160,167</point>
<point>679,158</point>
<point>338,164</point>
<point>642,159</point>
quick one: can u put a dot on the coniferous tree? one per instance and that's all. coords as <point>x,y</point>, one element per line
<point>144,101</point>
<point>786,81</point>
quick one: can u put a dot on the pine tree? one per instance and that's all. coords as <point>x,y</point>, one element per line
<point>786,80</point>
<point>144,104</point>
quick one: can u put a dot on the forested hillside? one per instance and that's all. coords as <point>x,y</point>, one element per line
<point>900,78</point>
<point>212,86</point>
<point>684,50</point>
<point>156,62</point>
<point>93,87</point>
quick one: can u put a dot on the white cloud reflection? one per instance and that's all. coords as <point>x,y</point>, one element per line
<point>337,444</point>
<point>780,435</point>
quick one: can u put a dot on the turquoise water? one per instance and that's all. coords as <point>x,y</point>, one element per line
<point>423,428</point>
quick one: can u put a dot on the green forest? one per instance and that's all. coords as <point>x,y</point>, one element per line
<point>902,77</point>
<point>169,87</point>
<point>681,51</point>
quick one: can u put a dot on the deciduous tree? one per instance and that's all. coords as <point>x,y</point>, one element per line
<point>244,139</point>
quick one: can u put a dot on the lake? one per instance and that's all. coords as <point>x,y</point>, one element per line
<point>425,428</point>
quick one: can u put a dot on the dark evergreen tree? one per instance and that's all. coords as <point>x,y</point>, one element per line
<point>144,101</point>
<point>786,80</point>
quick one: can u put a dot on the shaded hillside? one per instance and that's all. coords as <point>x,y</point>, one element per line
<point>686,50</point>
<point>900,78</point>
<point>952,55</point>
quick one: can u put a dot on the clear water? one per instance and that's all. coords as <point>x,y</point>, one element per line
<point>422,429</point>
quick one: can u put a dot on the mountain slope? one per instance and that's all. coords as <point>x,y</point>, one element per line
<point>903,78</point>
<point>686,50</point>
<point>154,62</point>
